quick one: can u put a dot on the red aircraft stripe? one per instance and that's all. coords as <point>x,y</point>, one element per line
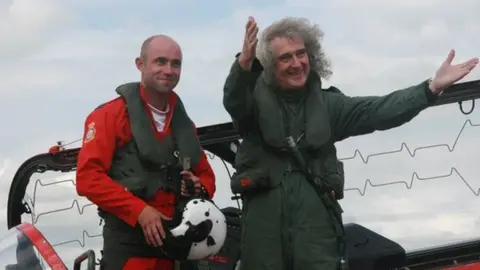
<point>471,266</point>
<point>43,246</point>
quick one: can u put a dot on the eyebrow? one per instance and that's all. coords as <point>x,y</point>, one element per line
<point>178,60</point>
<point>291,53</point>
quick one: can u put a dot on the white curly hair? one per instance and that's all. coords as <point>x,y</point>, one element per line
<point>292,27</point>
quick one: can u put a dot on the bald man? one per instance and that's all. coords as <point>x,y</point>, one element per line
<point>129,163</point>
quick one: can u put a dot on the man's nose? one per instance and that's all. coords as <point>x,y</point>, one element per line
<point>168,69</point>
<point>295,62</point>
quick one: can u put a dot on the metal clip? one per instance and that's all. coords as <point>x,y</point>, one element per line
<point>343,265</point>
<point>300,137</point>
<point>186,164</point>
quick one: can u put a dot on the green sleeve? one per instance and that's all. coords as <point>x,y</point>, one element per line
<point>352,116</point>
<point>238,92</point>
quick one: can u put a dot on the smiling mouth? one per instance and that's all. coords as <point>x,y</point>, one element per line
<point>295,73</point>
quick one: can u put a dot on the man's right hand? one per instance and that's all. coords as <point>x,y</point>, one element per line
<point>249,45</point>
<point>151,222</point>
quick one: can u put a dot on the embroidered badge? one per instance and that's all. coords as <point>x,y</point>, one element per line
<point>90,135</point>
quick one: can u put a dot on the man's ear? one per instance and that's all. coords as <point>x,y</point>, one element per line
<point>139,63</point>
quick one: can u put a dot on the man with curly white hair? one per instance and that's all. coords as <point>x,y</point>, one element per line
<point>286,167</point>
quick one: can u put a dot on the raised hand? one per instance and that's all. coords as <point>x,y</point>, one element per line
<point>249,44</point>
<point>448,74</point>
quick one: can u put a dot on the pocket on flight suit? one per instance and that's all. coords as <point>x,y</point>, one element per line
<point>250,180</point>
<point>332,173</point>
<point>336,179</point>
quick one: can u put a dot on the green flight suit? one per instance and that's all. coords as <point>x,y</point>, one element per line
<point>285,224</point>
<point>144,165</point>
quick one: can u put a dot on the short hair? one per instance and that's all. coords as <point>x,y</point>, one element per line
<point>146,43</point>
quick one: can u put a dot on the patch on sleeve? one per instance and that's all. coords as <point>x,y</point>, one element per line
<point>90,135</point>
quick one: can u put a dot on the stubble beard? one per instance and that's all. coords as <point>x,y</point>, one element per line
<point>158,88</point>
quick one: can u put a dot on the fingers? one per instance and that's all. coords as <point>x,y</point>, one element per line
<point>159,227</point>
<point>254,43</point>
<point>470,64</point>
<point>251,31</point>
<point>250,21</point>
<point>162,216</point>
<point>152,235</point>
<point>253,40</point>
<point>154,232</point>
<point>198,187</point>
<point>184,191</point>
<point>248,26</point>
<point>465,68</point>
<point>450,56</point>
<point>148,235</point>
<point>157,234</point>
<point>189,174</point>
<point>152,227</point>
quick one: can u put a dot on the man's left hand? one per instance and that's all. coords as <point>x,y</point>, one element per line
<point>196,183</point>
<point>448,74</point>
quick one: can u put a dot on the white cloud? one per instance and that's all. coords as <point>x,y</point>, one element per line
<point>54,70</point>
<point>26,26</point>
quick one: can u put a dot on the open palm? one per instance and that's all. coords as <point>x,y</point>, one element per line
<point>448,74</point>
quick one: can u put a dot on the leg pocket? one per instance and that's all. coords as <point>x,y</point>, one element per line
<point>261,243</point>
<point>314,238</point>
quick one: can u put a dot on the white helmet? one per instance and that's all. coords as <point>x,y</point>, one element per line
<point>200,234</point>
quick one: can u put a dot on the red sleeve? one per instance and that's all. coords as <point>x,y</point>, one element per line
<point>94,160</point>
<point>204,171</point>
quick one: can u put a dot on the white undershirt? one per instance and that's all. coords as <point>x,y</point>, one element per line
<point>159,117</point>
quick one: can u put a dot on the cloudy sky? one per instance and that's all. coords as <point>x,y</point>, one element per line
<point>62,58</point>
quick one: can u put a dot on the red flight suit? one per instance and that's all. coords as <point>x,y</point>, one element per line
<point>111,127</point>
